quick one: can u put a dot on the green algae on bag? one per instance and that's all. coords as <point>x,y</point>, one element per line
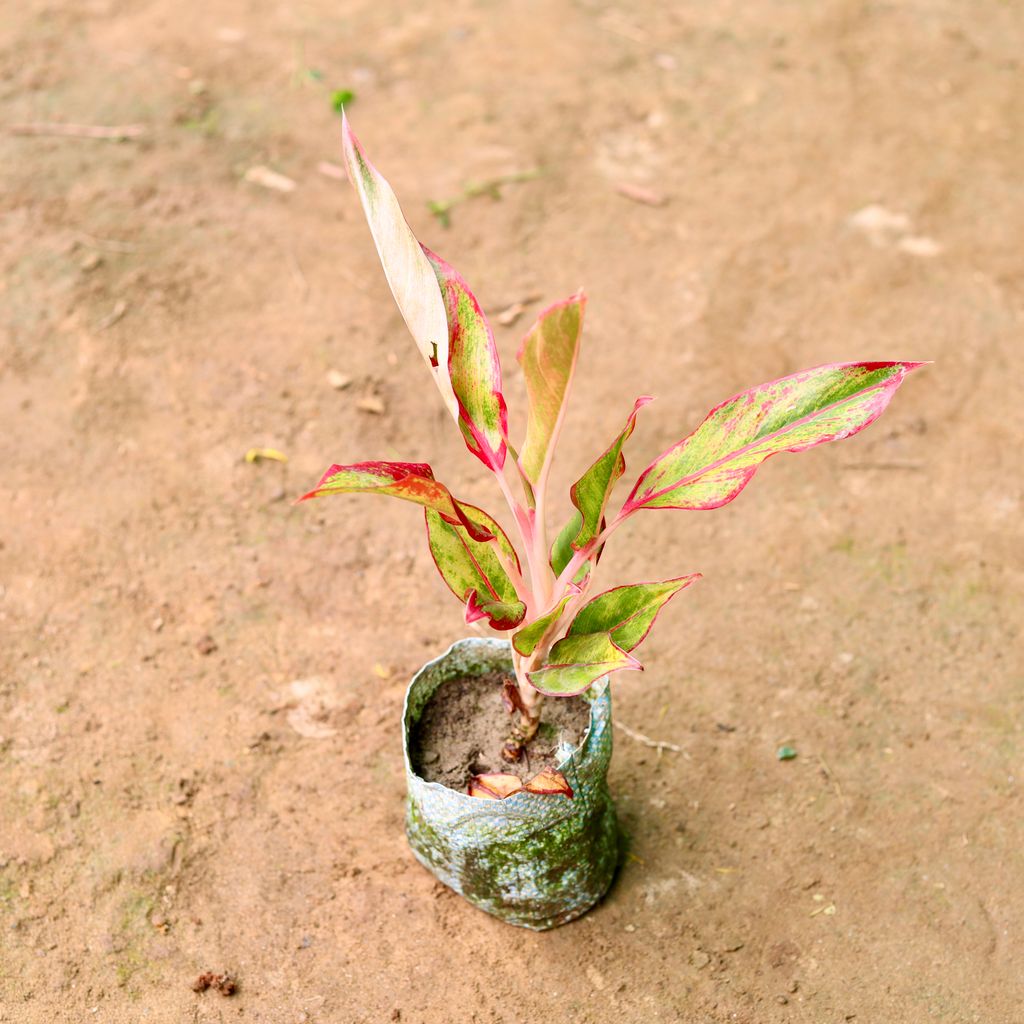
<point>534,860</point>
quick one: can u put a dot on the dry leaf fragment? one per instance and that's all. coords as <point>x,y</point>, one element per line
<point>267,178</point>
<point>639,194</point>
<point>260,454</point>
<point>329,170</point>
<point>549,781</point>
<point>495,786</point>
<point>371,404</point>
<point>510,314</point>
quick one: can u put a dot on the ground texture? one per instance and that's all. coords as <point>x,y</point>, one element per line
<point>200,684</point>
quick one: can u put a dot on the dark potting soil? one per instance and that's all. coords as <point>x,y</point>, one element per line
<point>465,725</point>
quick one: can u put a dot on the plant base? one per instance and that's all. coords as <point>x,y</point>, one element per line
<point>532,860</point>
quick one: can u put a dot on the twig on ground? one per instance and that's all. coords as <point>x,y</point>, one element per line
<point>106,244</point>
<point>658,745</point>
<point>908,464</point>
<point>79,131</point>
<point>119,310</point>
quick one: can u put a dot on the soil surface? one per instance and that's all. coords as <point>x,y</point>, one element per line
<point>201,685</point>
<point>465,725</point>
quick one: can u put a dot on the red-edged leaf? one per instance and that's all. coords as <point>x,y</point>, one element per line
<point>496,786</point>
<point>472,569</point>
<point>473,368</point>
<point>409,272</point>
<point>526,640</point>
<point>577,661</point>
<point>412,481</point>
<point>548,358</point>
<point>590,495</point>
<point>627,613</point>
<point>710,467</point>
<point>550,780</point>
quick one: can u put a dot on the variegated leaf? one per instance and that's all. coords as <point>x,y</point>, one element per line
<point>627,613</point>
<point>473,571</point>
<point>412,481</point>
<point>548,358</point>
<point>408,270</point>
<point>710,467</point>
<point>473,368</point>
<point>590,495</point>
<point>577,661</point>
<point>526,640</point>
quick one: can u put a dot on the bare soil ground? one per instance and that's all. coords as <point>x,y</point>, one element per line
<point>200,685</point>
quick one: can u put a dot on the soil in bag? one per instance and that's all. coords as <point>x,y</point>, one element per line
<point>465,725</point>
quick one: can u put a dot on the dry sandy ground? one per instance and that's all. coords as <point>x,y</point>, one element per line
<point>200,684</point>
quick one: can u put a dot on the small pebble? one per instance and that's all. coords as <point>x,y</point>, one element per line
<point>781,1000</point>
<point>630,928</point>
<point>338,380</point>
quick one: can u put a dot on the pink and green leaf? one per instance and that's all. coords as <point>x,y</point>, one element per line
<point>575,662</point>
<point>526,640</point>
<point>627,613</point>
<point>411,481</point>
<point>473,368</point>
<point>409,272</point>
<point>548,358</point>
<point>710,467</point>
<point>590,495</point>
<point>473,570</point>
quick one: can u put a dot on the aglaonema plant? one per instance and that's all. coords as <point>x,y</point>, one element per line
<point>537,588</point>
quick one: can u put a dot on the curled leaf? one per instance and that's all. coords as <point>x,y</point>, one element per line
<point>473,368</point>
<point>710,467</point>
<point>411,481</point>
<point>526,640</point>
<point>495,786</point>
<point>473,570</point>
<point>590,495</point>
<point>550,780</point>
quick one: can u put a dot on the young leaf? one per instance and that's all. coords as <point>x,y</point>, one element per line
<point>413,481</point>
<point>590,495</point>
<point>577,661</point>
<point>406,266</point>
<point>550,781</point>
<point>548,358</point>
<point>473,368</point>
<point>526,640</point>
<point>472,569</point>
<point>627,613</point>
<point>710,467</point>
<point>494,787</point>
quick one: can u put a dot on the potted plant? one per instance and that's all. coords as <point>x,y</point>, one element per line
<point>507,741</point>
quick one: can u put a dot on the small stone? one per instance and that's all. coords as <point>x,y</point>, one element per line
<point>91,261</point>
<point>699,959</point>
<point>206,645</point>
<point>630,928</point>
<point>596,977</point>
<point>781,1000</point>
<point>338,380</point>
<point>371,404</point>
<point>431,757</point>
